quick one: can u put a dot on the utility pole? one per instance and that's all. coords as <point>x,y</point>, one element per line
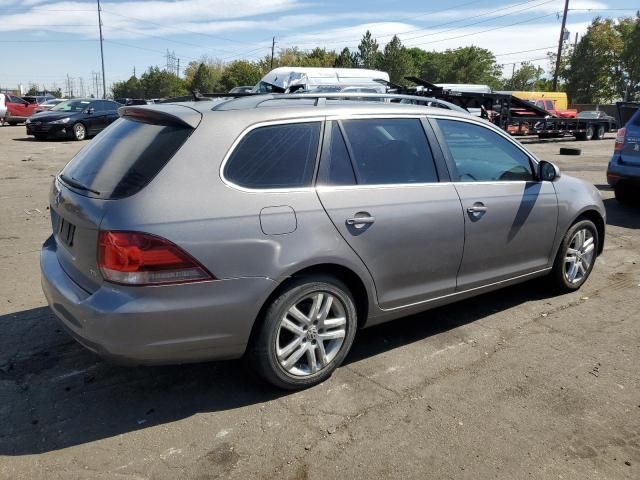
<point>575,42</point>
<point>560,42</point>
<point>104,82</point>
<point>273,48</point>
<point>178,69</point>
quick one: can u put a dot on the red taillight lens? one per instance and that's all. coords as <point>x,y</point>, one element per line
<point>134,258</point>
<point>619,145</point>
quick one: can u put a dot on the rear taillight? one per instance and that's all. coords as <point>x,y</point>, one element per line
<point>619,145</point>
<point>134,258</point>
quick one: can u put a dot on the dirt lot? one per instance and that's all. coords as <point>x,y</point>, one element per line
<point>514,384</point>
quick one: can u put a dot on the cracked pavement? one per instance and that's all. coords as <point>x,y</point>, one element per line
<point>513,384</point>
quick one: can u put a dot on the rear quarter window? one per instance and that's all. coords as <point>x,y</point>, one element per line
<point>275,156</point>
<point>125,157</point>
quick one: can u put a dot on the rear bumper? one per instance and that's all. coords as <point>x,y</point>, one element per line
<point>155,325</point>
<point>620,172</point>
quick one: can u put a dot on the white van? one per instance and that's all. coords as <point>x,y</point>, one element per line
<point>286,79</point>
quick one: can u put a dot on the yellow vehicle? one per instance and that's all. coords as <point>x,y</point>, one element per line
<point>559,98</point>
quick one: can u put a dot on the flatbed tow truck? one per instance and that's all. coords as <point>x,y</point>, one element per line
<point>512,114</point>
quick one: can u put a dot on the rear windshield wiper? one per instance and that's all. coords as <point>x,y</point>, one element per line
<point>72,182</point>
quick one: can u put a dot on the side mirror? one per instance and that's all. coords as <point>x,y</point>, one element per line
<point>90,110</point>
<point>548,172</point>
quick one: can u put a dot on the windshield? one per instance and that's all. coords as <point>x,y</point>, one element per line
<point>71,106</point>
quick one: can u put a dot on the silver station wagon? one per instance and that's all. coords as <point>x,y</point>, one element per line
<point>275,226</point>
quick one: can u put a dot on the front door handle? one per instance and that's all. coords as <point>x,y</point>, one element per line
<point>361,219</point>
<point>477,208</point>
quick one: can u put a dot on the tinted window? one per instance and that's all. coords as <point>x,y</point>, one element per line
<point>125,157</point>
<point>390,150</point>
<point>480,154</point>
<point>336,164</point>
<point>278,156</point>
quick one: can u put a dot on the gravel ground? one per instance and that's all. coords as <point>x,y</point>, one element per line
<point>513,384</point>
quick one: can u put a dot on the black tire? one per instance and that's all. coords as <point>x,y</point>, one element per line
<point>13,124</point>
<point>79,131</point>
<point>559,281</point>
<point>588,135</point>
<point>570,151</point>
<point>599,135</point>
<point>262,356</point>
<point>624,194</point>
<point>40,137</point>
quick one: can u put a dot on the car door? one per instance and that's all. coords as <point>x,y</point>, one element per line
<point>99,115</point>
<point>379,182</point>
<point>18,107</point>
<point>510,216</point>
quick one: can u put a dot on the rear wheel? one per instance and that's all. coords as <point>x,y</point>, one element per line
<point>306,333</point>
<point>79,131</point>
<point>576,257</point>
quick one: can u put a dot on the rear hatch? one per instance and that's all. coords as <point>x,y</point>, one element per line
<point>630,153</point>
<point>117,164</point>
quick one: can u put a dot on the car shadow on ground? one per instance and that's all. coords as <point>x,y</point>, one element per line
<point>55,394</point>
<point>619,215</point>
<point>42,140</point>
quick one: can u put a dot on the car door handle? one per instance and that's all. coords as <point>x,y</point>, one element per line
<point>477,209</point>
<point>361,220</point>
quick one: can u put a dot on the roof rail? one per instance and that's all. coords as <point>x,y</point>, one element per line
<point>254,101</point>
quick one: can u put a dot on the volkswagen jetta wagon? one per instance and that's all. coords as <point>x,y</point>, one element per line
<point>274,227</point>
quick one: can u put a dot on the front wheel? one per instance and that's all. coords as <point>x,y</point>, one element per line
<point>79,131</point>
<point>576,257</point>
<point>623,194</point>
<point>306,333</point>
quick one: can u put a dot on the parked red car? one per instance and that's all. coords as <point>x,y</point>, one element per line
<point>18,110</point>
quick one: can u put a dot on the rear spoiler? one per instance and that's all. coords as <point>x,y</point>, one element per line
<point>170,115</point>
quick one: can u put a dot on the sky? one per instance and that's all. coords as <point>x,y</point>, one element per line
<point>48,41</point>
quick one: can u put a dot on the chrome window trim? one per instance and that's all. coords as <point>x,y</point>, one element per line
<point>327,188</point>
<point>288,121</point>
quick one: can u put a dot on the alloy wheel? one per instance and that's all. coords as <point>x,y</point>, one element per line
<point>579,256</point>
<point>311,334</point>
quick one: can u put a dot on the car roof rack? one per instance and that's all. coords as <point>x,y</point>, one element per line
<point>255,100</point>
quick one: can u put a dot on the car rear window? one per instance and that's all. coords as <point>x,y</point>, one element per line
<point>125,157</point>
<point>275,156</point>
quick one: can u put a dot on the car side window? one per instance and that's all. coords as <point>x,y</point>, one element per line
<point>481,155</point>
<point>390,150</point>
<point>276,156</point>
<point>336,168</point>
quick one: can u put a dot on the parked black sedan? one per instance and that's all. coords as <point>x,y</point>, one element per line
<point>78,118</point>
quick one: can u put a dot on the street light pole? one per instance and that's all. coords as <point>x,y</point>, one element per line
<point>104,82</point>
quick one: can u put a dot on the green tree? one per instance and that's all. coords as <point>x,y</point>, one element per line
<point>629,30</point>
<point>463,65</point>
<point>158,83</point>
<point>205,79</point>
<point>319,57</point>
<point>368,51</point>
<point>240,72</point>
<point>346,59</point>
<point>418,58</point>
<point>524,77</point>
<point>131,88</point>
<point>593,73</point>
<point>396,61</point>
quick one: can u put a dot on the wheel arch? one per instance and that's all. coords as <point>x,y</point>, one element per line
<point>349,277</point>
<point>594,216</point>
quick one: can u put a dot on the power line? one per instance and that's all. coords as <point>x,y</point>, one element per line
<point>448,23</point>
<point>484,31</point>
